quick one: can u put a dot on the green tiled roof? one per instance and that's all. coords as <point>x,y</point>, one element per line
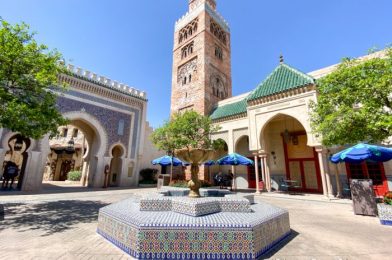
<point>283,78</point>
<point>229,110</point>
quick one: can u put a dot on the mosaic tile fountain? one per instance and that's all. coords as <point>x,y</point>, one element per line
<point>161,226</point>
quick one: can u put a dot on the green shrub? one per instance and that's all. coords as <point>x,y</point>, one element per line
<point>388,198</point>
<point>74,176</point>
<point>148,182</point>
<point>148,174</point>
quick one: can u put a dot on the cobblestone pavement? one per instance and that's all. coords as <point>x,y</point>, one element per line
<point>56,225</point>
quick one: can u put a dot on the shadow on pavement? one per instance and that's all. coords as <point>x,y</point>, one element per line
<point>280,245</point>
<point>49,188</point>
<point>50,217</point>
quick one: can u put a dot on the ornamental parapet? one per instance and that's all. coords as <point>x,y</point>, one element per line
<point>106,82</point>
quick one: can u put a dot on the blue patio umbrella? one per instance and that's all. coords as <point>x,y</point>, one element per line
<point>361,152</point>
<point>167,160</point>
<point>209,163</point>
<point>234,159</point>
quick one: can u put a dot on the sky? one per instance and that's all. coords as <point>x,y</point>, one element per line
<point>132,41</point>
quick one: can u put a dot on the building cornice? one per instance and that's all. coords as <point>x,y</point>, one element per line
<point>105,82</point>
<point>97,89</point>
<point>282,95</point>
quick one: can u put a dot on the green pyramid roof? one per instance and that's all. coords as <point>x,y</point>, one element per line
<point>228,110</point>
<point>283,78</point>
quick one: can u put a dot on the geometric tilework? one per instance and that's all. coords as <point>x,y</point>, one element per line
<point>171,235</point>
<point>385,213</point>
<point>196,207</point>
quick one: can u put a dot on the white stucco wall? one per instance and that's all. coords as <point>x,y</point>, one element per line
<point>150,152</point>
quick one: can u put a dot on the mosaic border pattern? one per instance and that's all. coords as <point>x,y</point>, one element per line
<point>170,235</point>
<point>196,207</point>
<point>385,214</point>
<point>386,222</point>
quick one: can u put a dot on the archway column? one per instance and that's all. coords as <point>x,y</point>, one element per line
<point>256,159</point>
<point>96,171</point>
<point>2,157</point>
<point>328,173</point>
<point>338,183</point>
<point>319,151</point>
<point>267,177</point>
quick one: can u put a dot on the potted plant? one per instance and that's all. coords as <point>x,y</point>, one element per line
<point>385,209</point>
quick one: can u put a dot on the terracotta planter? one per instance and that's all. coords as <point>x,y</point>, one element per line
<point>385,213</point>
<point>194,157</point>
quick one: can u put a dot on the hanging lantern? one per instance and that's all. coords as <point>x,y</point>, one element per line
<point>286,136</point>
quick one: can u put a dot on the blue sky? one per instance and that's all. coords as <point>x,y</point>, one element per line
<point>131,41</point>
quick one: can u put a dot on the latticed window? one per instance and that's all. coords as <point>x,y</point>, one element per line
<point>218,52</point>
<point>218,88</point>
<point>218,31</point>
<point>188,31</point>
<point>187,50</point>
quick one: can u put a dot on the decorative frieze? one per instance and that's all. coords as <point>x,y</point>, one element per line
<point>105,82</point>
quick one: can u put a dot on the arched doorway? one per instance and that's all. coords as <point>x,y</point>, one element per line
<point>17,156</point>
<point>245,175</point>
<point>95,138</point>
<point>116,165</point>
<point>67,153</point>
<point>285,141</point>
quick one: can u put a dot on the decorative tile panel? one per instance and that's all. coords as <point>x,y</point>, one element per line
<point>171,235</point>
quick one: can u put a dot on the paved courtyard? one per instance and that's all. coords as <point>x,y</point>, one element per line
<point>60,223</point>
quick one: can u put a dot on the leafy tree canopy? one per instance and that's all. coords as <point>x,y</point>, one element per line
<point>186,130</point>
<point>354,102</point>
<point>28,75</point>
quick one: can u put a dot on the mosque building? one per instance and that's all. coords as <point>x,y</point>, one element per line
<point>270,124</point>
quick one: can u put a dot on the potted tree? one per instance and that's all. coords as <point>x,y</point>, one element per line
<point>385,209</point>
<point>189,136</point>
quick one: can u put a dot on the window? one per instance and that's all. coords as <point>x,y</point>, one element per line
<point>75,132</point>
<point>187,50</point>
<point>217,84</point>
<point>65,132</point>
<point>190,78</point>
<point>217,31</point>
<point>188,30</point>
<point>218,52</point>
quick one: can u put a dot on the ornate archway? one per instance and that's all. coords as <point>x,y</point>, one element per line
<point>289,157</point>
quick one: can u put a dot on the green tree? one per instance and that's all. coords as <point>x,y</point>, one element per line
<point>354,102</point>
<point>185,130</point>
<point>28,76</point>
<point>163,139</point>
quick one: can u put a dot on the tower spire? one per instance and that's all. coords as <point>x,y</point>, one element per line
<point>281,59</point>
<point>195,3</point>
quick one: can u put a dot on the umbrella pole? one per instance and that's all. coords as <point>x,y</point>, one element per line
<point>171,169</point>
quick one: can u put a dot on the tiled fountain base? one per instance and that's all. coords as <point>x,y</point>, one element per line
<point>173,235</point>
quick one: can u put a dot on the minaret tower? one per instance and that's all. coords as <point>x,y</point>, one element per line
<point>201,59</point>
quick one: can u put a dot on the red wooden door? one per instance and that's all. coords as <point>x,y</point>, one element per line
<point>252,175</point>
<point>369,170</point>
<point>302,164</point>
